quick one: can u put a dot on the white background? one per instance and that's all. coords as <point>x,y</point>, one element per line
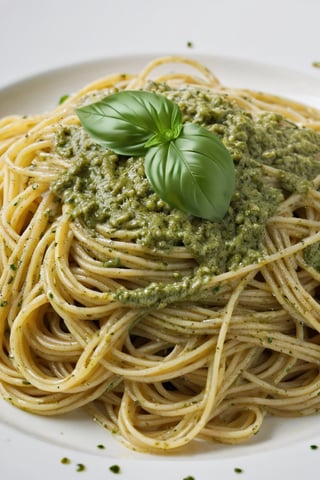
<point>36,35</point>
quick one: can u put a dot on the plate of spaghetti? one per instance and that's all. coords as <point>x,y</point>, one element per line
<point>139,327</point>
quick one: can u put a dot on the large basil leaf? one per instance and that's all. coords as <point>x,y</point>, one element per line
<point>125,121</point>
<point>194,173</point>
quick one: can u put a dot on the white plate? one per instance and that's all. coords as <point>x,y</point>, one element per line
<point>32,447</point>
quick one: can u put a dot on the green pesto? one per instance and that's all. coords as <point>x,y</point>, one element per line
<point>312,256</point>
<point>102,187</point>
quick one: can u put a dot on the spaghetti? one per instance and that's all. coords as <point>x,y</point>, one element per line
<point>92,316</point>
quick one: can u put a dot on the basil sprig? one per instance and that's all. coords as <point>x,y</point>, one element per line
<point>187,165</point>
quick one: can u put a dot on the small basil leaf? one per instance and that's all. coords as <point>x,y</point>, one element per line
<point>194,173</point>
<point>164,136</point>
<point>124,122</point>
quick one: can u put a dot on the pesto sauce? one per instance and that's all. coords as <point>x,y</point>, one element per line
<point>102,187</point>
<point>311,256</point>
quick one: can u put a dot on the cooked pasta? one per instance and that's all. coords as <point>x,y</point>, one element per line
<point>163,338</point>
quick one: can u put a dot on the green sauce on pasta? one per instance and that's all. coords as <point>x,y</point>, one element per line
<point>273,157</point>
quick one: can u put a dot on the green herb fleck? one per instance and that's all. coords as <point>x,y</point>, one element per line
<point>190,44</point>
<point>114,469</point>
<point>65,461</point>
<point>80,467</point>
<point>238,470</point>
<point>113,263</point>
<point>101,447</point>
<point>63,98</point>
<point>4,303</point>
<point>314,447</point>
<point>190,477</point>
<point>13,266</point>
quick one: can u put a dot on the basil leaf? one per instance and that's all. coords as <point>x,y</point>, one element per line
<point>126,121</point>
<point>194,173</point>
<point>188,166</point>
